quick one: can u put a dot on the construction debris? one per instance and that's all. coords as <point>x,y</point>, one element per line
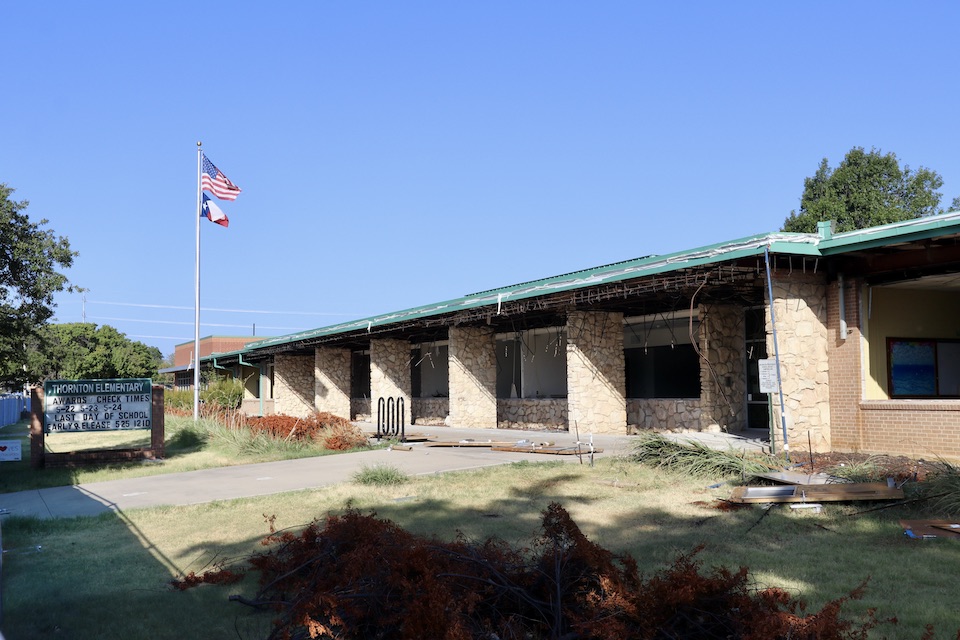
<point>849,491</point>
<point>549,449</point>
<point>792,477</point>
<point>928,529</point>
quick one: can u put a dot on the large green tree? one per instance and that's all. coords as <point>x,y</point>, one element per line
<point>82,350</point>
<point>31,258</point>
<point>867,188</point>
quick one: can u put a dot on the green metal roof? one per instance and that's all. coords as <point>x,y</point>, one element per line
<point>894,233</point>
<point>787,243</point>
<point>797,244</point>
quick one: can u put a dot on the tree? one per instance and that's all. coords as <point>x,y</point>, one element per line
<point>865,190</point>
<point>30,259</point>
<point>81,350</point>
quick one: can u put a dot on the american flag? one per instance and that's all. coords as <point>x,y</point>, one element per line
<point>213,180</point>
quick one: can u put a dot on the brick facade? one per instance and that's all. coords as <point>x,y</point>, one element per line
<point>917,428</point>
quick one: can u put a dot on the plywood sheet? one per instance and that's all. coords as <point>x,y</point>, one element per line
<point>792,477</point>
<point>818,493</point>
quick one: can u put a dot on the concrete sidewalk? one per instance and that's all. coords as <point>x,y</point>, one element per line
<point>242,481</point>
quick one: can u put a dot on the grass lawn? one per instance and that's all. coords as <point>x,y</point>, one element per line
<point>188,446</point>
<point>108,577</point>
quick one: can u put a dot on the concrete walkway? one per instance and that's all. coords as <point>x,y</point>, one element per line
<point>227,483</point>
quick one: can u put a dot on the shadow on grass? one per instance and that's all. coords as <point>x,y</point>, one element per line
<point>110,579</point>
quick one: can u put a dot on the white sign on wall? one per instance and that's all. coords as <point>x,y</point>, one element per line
<point>768,375</point>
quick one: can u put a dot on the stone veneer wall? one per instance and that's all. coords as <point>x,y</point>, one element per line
<point>293,390</point>
<point>596,376</point>
<point>723,385</point>
<point>332,372</point>
<point>390,372</point>
<point>673,414</point>
<point>800,306</point>
<point>430,411</point>
<point>360,410</point>
<point>532,413</point>
<point>473,378</point>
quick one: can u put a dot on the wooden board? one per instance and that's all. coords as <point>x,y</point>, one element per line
<point>557,451</point>
<point>818,493</point>
<point>471,443</point>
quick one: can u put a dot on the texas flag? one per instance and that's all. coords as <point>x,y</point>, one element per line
<point>212,212</point>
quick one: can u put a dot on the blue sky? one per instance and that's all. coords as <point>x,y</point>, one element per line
<point>394,154</point>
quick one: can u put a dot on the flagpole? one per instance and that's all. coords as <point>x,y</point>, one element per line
<point>196,298</point>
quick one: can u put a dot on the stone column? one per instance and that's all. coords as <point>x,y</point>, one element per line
<point>294,387</point>
<point>473,378</point>
<point>723,380</point>
<point>332,372</point>
<point>596,384</point>
<point>390,373</point>
<point>800,306</point>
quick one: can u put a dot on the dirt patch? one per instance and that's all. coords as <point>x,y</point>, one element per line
<point>900,468</point>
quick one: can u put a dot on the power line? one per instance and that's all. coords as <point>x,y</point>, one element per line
<point>170,306</point>
<point>182,322</point>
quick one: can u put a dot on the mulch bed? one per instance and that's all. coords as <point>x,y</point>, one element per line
<point>898,467</point>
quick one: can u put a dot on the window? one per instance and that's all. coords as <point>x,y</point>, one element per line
<point>660,358</point>
<point>923,368</point>
<point>429,374</point>
<point>532,364</point>
<point>663,372</point>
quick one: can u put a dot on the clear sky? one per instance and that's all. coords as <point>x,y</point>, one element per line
<point>398,153</point>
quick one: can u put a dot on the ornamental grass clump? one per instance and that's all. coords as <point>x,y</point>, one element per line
<point>697,459</point>
<point>942,489</point>
<point>379,475</point>
<point>869,470</point>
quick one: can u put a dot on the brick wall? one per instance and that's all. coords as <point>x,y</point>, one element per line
<point>915,428</point>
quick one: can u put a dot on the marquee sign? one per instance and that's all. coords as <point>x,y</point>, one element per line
<point>97,405</point>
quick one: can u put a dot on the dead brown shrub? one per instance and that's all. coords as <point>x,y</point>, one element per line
<point>355,576</point>
<point>332,432</point>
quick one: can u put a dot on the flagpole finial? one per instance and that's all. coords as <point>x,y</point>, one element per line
<point>199,144</point>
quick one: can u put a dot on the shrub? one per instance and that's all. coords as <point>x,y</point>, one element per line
<point>356,576</point>
<point>330,431</point>
<point>178,401</point>
<point>225,392</point>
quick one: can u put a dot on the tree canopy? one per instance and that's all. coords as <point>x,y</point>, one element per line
<point>31,257</point>
<point>82,350</point>
<point>865,190</point>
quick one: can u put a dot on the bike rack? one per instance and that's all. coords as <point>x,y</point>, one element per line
<point>391,416</point>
